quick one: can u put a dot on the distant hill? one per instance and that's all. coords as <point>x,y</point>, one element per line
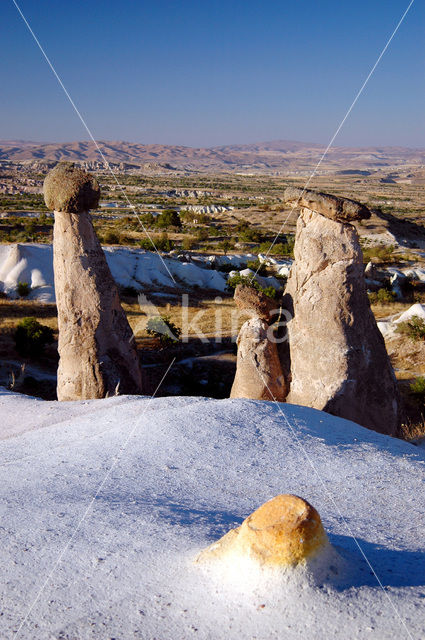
<point>284,156</point>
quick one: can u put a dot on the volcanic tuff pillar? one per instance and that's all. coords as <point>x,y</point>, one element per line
<point>338,358</point>
<point>97,352</point>
<point>259,374</point>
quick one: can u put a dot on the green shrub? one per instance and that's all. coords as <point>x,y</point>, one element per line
<point>233,282</point>
<point>258,267</point>
<point>414,328</point>
<point>202,234</point>
<point>148,219</point>
<point>381,253</point>
<point>162,243</point>
<point>382,296</point>
<point>168,218</point>
<point>279,248</point>
<point>226,245</point>
<point>162,328</point>
<point>31,337</point>
<point>226,268</point>
<point>417,388</point>
<point>249,235</point>
<point>111,238</point>
<point>188,243</point>
<point>23,289</point>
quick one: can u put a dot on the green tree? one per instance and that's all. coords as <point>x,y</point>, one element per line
<point>31,337</point>
<point>168,218</point>
<point>162,328</point>
<point>23,289</point>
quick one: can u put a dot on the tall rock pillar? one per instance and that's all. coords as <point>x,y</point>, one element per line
<point>97,352</point>
<point>338,358</point>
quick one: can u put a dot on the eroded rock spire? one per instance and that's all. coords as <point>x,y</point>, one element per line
<point>338,359</point>
<point>97,353</point>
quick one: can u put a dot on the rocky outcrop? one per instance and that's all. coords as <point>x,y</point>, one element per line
<point>97,353</point>
<point>285,531</point>
<point>338,359</point>
<point>259,373</point>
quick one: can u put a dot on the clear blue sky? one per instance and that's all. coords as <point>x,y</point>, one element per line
<point>212,72</point>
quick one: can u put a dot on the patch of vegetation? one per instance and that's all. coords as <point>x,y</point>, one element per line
<point>414,328</point>
<point>168,218</point>
<point>250,235</point>
<point>162,328</point>
<point>162,243</point>
<point>258,267</point>
<point>202,234</point>
<point>31,337</point>
<point>279,248</point>
<point>23,289</point>
<point>381,253</point>
<point>226,245</point>
<point>192,217</point>
<point>233,282</point>
<point>188,243</point>
<point>382,296</point>
<point>417,388</point>
<point>23,201</point>
<point>111,237</point>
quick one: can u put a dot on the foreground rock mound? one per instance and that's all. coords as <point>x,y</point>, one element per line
<point>338,358</point>
<point>284,531</point>
<point>259,374</point>
<point>97,353</point>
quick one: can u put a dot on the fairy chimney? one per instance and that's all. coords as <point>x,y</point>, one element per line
<point>97,352</point>
<point>338,359</point>
<point>259,374</point>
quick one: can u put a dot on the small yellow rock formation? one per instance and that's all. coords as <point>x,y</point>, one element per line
<point>284,531</point>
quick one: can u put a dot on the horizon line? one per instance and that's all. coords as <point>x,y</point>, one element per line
<point>14,141</point>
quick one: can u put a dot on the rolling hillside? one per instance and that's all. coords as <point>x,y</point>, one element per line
<point>283,155</point>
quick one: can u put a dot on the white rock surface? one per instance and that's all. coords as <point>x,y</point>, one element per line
<point>416,309</point>
<point>388,326</point>
<point>263,281</point>
<point>97,541</point>
<point>33,264</point>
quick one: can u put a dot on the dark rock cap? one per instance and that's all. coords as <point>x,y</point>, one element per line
<point>250,299</point>
<point>71,189</point>
<point>333,207</point>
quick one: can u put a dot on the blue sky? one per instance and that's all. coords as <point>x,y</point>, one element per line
<point>204,73</point>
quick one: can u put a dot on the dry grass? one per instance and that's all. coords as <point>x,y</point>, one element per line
<point>12,311</point>
<point>412,430</point>
<point>384,310</point>
<point>210,317</point>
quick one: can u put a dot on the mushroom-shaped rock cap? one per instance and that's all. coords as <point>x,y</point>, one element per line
<point>69,188</point>
<point>284,531</point>
<point>333,207</point>
<point>250,299</point>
